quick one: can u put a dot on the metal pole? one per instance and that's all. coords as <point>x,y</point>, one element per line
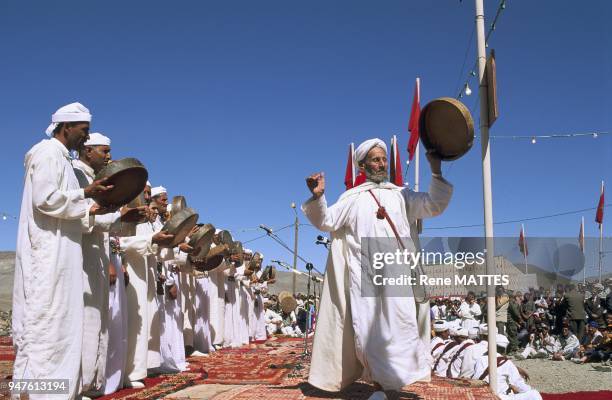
<point>486,186</point>
<point>295,249</point>
<point>416,167</point>
<point>601,241</point>
<point>525,248</point>
<point>583,252</point>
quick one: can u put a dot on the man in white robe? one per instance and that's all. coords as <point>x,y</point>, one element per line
<point>510,382</point>
<point>377,337</point>
<point>231,326</point>
<point>94,155</point>
<point>48,288</point>
<point>202,339</point>
<point>259,310</point>
<point>117,305</point>
<point>140,253</point>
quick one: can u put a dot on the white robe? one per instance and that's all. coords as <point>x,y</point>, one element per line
<point>202,340</point>
<point>172,346</point>
<point>48,288</point>
<point>243,307</point>
<point>374,336</point>
<point>187,293</point>
<point>117,331</point>
<point>95,290</point>
<point>138,251</point>
<point>231,326</point>
<point>507,374</point>
<point>259,314</point>
<point>217,303</point>
<point>470,356</point>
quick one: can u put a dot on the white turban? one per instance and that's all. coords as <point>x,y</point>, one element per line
<point>362,151</point>
<point>501,340</point>
<point>247,251</point>
<point>473,333</point>
<point>97,139</point>
<point>440,326</point>
<point>484,329</point>
<point>463,332</point>
<point>73,112</point>
<point>148,184</point>
<point>157,190</point>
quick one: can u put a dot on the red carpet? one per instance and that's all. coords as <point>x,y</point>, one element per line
<point>600,395</point>
<point>267,364</point>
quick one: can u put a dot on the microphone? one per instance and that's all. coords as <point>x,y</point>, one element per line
<point>265,228</point>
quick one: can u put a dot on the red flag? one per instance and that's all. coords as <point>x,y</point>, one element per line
<point>523,243</point>
<point>361,178</point>
<point>600,207</point>
<point>396,164</point>
<point>349,176</point>
<point>413,125</point>
<point>581,236</point>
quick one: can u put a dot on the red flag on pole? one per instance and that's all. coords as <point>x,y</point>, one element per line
<point>413,124</point>
<point>395,174</point>
<point>600,207</point>
<point>361,178</point>
<point>349,176</point>
<point>522,243</point>
<point>581,236</point>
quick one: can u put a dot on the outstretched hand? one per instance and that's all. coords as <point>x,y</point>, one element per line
<point>316,184</point>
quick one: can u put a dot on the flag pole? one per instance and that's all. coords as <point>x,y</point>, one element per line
<point>353,163</point>
<point>417,151</point>
<point>486,187</point>
<point>601,240</point>
<point>583,252</point>
<point>525,250</point>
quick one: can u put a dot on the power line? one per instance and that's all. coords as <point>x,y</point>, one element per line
<point>493,26</point>
<point>513,221</point>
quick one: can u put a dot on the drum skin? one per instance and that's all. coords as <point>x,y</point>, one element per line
<point>128,176</point>
<point>180,224</point>
<point>446,128</point>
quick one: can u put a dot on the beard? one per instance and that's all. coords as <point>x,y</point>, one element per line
<point>376,177</point>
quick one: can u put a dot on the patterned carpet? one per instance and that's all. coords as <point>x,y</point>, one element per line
<point>276,371</point>
<point>266,364</point>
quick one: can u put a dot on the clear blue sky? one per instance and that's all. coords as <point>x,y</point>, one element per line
<point>233,103</point>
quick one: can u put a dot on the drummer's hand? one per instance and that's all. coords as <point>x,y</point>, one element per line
<point>194,230</point>
<point>435,163</point>
<point>162,238</point>
<point>97,209</point>
<point>112,274</point>
<point>133,214</point>
<point>316,184</point>
<point>97,188</point>
<point>185,248</point>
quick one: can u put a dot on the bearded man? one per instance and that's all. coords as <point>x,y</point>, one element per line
<point>374,337</point>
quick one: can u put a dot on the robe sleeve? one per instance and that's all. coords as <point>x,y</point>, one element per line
<point>140,244</point>
<point>107,222</point>
<point>47,196</point>
<point>424,205</point>
<point>327,219</point>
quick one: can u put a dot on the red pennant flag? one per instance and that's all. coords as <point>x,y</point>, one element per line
<point>581,236</point>
<point>349,176</point>
<point>396,164</point>
<point>600,207</point>
<point>523,243</point>
<point>413,125</point>
<point>361,178</point>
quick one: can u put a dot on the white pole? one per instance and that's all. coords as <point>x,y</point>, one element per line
<point>353,164</point>
<point>583,251</point>
<point>525,248</point>
<point>416,167</point>
<point>601,241</point>
<point>486,186</point>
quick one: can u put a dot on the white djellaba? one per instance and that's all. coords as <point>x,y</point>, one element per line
<point>374,337</point>
<point>47,308</point>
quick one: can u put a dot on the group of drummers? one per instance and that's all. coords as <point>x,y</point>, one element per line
<point>114,283</point>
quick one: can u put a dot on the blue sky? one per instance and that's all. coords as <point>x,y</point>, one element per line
<point>233,103</point>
